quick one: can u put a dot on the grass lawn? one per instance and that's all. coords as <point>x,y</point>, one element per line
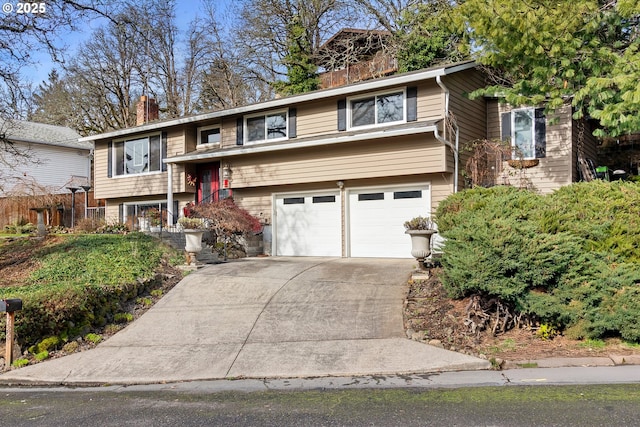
<point>71,283</point>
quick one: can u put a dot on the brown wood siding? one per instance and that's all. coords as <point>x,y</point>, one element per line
<point>589,146</point>
<point>228,132</point>
<point>469,114</point>
<point>396,157</point>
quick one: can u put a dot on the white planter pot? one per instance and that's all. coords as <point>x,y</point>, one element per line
<point>420,243</point>
<point>193,243</point>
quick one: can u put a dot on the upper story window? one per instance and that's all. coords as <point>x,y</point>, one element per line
<point>208,135</point>
<point>378,109</point>
<point>266,127</point>
<point>137,155</point>
<point>526,129</point>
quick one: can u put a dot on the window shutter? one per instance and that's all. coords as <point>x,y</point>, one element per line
<point>163,153</point>
<point>540,133</point>
<point>342,114</point>
<point>505,133</point>
<point>120,213</point>
<point>110,160</point>
<point>239,131</point>
<point>293,119</point>
<point>412,104</point>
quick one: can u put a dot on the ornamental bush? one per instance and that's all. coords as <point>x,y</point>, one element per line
<point>569,259</point>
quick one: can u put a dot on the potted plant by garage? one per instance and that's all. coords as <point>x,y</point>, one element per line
<point>193,229</point>
<point>155,220</point>
<point>420,229</point>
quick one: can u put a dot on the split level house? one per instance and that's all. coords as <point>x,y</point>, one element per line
<point>334,172</point>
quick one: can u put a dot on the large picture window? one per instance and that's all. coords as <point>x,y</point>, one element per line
<point>138,156</point>
<point>378,109</point>
<point>526,130</point>
<point>266,127</point>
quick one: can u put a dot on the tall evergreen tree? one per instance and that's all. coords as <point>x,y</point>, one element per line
<point>583,52</point>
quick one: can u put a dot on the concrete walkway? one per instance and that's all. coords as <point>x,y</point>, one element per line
<point>263,318</point>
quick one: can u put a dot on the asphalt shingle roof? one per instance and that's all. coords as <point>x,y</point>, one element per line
<point>40,133</point>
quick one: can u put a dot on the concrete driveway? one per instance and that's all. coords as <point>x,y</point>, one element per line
<point>263,318</point>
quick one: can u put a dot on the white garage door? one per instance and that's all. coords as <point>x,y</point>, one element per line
<point>308,225</point>
<point>376,220</point>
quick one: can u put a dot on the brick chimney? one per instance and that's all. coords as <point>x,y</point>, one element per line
<point>146,110</point>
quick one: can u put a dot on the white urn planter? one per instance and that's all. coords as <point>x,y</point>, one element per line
<point>420,244</point>
<point>193,243</point>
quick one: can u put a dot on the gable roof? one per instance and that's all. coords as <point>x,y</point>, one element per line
<point>40,133</point>
<point>347,90</point>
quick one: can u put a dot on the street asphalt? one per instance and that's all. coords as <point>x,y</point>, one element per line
<point>263,318</point>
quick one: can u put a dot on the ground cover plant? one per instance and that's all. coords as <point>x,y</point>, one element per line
<point>569,260</point>
<point>74,283</point>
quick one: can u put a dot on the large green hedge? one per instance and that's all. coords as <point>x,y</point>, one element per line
<point>570,259</point>
<point>82,281</point>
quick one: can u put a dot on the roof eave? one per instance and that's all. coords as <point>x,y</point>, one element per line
<point>338,139</point>
<point>370,85</point>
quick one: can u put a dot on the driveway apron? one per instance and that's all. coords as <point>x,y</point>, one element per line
<point>263,318</point>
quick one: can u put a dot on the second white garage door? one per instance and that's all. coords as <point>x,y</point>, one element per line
<point>377,216</point>
<point>308,225</point>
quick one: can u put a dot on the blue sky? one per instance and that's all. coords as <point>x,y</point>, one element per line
<point>186,10</point>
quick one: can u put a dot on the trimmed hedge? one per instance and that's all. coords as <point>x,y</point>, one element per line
<point>82,283</point>
<point>569,259</point>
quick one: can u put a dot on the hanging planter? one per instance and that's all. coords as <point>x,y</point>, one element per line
<point>523,164</point>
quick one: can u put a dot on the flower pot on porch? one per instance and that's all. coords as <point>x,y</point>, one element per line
<point>420,244</point>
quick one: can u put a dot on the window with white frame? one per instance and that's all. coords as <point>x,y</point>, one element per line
<point>209,135</point>
<point>378,109</point>
<point>526,130</point>
<point>137,156</point>
<point>266,127</point>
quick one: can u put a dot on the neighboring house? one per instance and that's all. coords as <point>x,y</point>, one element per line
<point>38,165</point>
<point>42,159</point>
<point>334,172</point>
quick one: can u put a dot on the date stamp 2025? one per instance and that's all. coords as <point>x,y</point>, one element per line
<point>25,8</point>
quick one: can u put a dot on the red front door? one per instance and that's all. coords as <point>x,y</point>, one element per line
<point>208,182</point>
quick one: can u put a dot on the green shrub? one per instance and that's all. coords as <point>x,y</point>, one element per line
<point>569,259</point>
<point>123,317</point>
<point>81,282</point>
<point>94,338</point>
<point>19,363</point>
<point>42,355</point>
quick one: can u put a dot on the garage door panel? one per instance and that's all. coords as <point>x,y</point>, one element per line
<point>376,220</point>
<point>308,225</point>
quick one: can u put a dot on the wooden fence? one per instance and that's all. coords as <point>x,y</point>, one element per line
<point>19,210</point>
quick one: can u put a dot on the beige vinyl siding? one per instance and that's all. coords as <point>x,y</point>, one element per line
<point>228,132</point>
<point>317,118</point>
<point>430,101</point>
<point>556,169</point>
<point>396,157</point>
<point>153,183</point>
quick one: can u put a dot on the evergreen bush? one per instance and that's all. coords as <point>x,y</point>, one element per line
<point>570,259</point>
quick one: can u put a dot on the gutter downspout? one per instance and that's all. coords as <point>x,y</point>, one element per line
<point>445,141</point>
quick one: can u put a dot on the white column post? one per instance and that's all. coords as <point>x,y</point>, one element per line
<point>170,194</point>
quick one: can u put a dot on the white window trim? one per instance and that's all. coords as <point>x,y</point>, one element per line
<point>264,114</point>
<point>143,202</point>
<point>512,137</point>
<point>200,145</point>
<point>114,151</point>
<point>375,96</point>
